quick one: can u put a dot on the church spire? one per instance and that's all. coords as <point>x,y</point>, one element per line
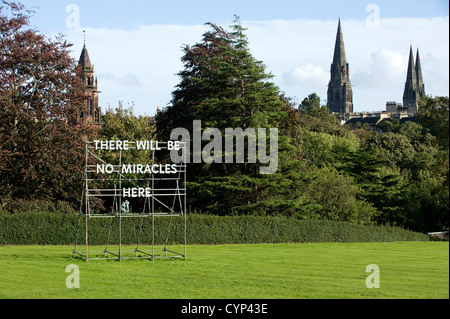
<point>411,93</point>
<point>411,76</point>
<point>340,95</point>
<point>339,49</point>
<point>420,85</point>
<point>85,61</point>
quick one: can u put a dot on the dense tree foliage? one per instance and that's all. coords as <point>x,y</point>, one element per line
<point>40,152</point>
<point>418,151</point>
<point>122,124</point>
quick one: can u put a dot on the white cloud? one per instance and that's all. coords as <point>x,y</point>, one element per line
<point>125,80</point>
<point>307,75</point>
<point>387,68</point>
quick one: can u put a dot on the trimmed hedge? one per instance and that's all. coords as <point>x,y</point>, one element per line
<point>61,229</point>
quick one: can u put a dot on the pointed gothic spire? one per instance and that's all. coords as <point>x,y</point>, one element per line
<point>339,49</point>
<point>411,94</point>
<point>420,86</point>
<point>92,113</point>
<point>411,75</point>
<point>340,94</point>
<point>85,61</point>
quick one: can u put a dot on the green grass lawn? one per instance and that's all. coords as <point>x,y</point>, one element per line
<point>287,271</point>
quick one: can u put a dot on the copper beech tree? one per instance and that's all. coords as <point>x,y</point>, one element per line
<point>41,148</point>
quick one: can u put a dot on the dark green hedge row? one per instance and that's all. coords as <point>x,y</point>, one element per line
<point>61,229</point>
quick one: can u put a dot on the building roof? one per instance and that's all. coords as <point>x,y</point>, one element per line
<point>85,61</point>
<point>371,120</point>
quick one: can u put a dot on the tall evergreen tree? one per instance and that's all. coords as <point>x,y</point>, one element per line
<point>224,86</point>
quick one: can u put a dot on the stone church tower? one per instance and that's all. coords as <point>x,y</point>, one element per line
<point>340,95</point>
<point>414,87</point>
<point>86,71</point>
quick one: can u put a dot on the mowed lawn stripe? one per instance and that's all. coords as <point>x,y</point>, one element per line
<point>287,271</point>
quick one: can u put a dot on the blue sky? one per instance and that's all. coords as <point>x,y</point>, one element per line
<point>127,15</point>
<point>136,45</point>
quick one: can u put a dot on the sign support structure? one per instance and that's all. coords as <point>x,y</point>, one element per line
<point>143,198</point>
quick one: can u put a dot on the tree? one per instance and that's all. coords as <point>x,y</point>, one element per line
<point>122,125</point>
<point>317,117</point>
<point>394,148</point>
<point>311,106</point>
<point>224,86</point>
<point>434,115</point>
<point>41,153</point>
<point>416,149</point>
<point>339,197</point>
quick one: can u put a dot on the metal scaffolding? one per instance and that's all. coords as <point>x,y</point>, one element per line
<point>163,195</point>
